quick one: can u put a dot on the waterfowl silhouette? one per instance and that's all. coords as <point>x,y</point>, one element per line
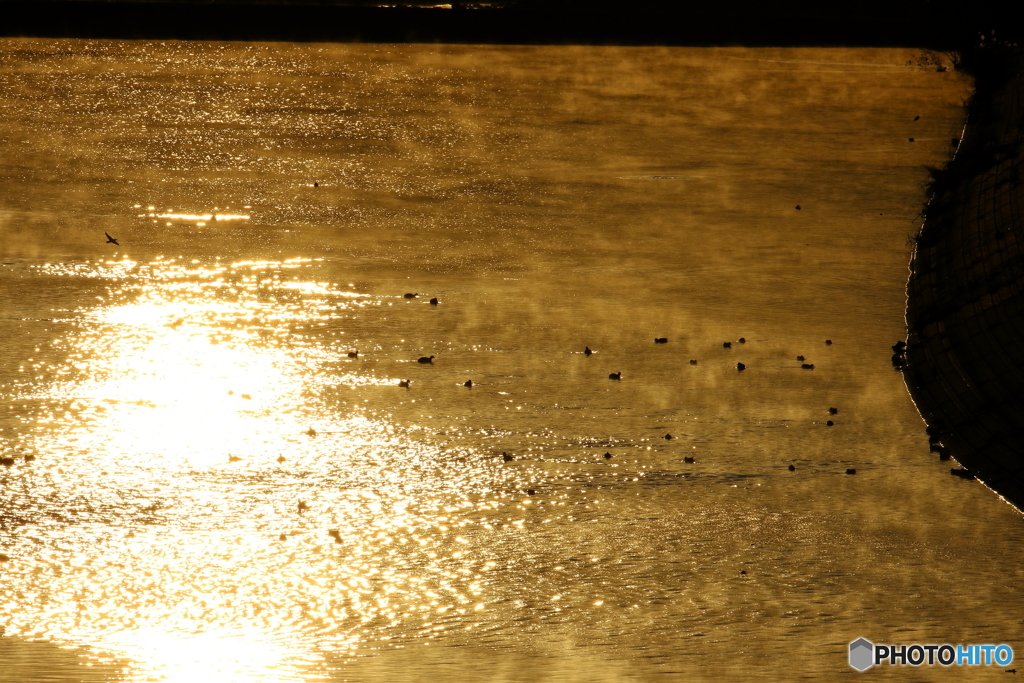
<point>310,432</point>
<point>404,383</point>
<point>410,295</point>
<point>742,340</point>
<point>425,360</point>
<point>851,471</point>
<point>302,506</point>
<point>233,458</point>
<point>687,458</point>
<point>910,139</point>
<point>661,340</point>
<point>693,362</point>
<point>615,375</point>
<point>587,351</point>
<point>833,411</point>
<point>807,366</point>
<point>830,423</point>
<point>608,456</point>
<point>283,537</point>
<point>316,184</point>
<point>741,366</point>
<point>469,383</point>
<point>800,358</point>
<point>531,492</point>
<point>917,118</point>
<point>506,457</point>
<point>353,354</point>
<point>792,468</point>
<point>828,342</point>
<point>281,458</point>
<point>727,345</point>
<point>433,302</point>
<point>668,437</point>
<point>111,240</point>
<point>797,207</point>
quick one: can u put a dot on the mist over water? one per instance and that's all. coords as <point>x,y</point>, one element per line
<point>219,491</point>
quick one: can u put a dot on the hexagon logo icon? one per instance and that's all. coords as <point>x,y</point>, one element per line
<point>861,654</point>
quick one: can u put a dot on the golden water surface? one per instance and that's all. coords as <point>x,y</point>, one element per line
<point>216,475</point>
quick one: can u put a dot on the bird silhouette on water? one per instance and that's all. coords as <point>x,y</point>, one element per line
<point>469,383</point>
<point>741,366</point>
<point>410,295</point>
<point>353,354</point>
<point>833,411</point>
<point>727,345</point>
<point>693,362</point>
<point>433,302</point>
<point>505,457</point>
<point>661,340</point>
<point>800,358</point>
<point>587,351</point>
<point>425,360</point>
<point>792,468</point>
<point>688,459</point>
<point>807,366</point>
<point>111,240</point>
<point>615,375</point>
<point>404,383</point>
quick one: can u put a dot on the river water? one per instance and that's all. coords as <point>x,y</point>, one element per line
<point>206,486</point>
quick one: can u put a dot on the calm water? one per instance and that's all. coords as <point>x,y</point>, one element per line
<point>184,391</point>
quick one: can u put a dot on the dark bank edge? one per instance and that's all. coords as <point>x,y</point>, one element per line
<point>965,294</point>
<point>932,24</point>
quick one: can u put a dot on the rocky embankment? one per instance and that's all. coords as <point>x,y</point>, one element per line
<point>963,361</point>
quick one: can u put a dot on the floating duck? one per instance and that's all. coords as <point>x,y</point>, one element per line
<point>353,354</point>
<point>302,506</point>
<point>433,302</point>
<point>742,340</point>
<point>426,360</point>
<point>797,207</point>
<point>668,437</point>
<point>404,383</point>
<point>661,340</point>
<point>792,468</point>
<point>506,457</point>
<point>851,471</point>
<point>830,423</point>
<point>281,458</point>
<point>833,411</point>
<point>800,358</point>
<point>410,295</point>
<point>615,375</point>
<point>587,351</point>
<point>310,432</point>
<point>741,367</point>
<point>807,366</point>
<point>828,342</point>
<point>688,459</point>
<point>469,383</point>
<point>727,345</point>
<point>608,456</point>
<point>233,458</point>
<point>693,362</point>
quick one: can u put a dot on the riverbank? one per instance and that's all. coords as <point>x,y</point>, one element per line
<point>965,316</point>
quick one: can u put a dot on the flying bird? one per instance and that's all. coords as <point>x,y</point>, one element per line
<point>111,240</point>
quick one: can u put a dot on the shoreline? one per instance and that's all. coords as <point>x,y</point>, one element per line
<point>965,294</point>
